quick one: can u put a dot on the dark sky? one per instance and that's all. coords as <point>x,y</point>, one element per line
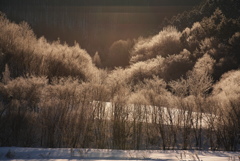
<point>106,2</point>
<point>132,2</point>
<point>95,24</point>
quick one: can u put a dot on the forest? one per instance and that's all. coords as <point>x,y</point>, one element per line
<point>178,89</point>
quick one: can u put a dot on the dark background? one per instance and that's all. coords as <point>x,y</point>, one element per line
<point>94,24</point>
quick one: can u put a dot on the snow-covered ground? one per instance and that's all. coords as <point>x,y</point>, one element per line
<point>65,154</point>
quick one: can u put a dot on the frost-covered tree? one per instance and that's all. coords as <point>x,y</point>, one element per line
<point>6,77</point>
<point>167,42</point>
<point>97,60</point>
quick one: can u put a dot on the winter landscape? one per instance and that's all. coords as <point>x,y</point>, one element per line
<point>65,154</point>
<point>120,80</point>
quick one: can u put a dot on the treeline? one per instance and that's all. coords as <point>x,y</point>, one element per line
<point>214,38</point>
<point>65,113</point>
<point>26,55</point>
<point>205,9</point>
<point>175,90</point>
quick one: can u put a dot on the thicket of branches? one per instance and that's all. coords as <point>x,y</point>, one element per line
<point>177,90</point>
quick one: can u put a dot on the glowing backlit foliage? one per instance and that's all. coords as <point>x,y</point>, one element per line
<point>169,68</point>
<point>145,69</point>
<point>25,54</point>
<point>63,60</point>
<point>24,93</point>
<point>151,91</point>
<point>228,86</point>
<point>196,84</point>
<point>167,42</point>
<point>205,64</point>
<point>191,37</point>
<point>234,41</point>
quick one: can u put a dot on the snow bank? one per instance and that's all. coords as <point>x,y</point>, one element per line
<point>65,154</point>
